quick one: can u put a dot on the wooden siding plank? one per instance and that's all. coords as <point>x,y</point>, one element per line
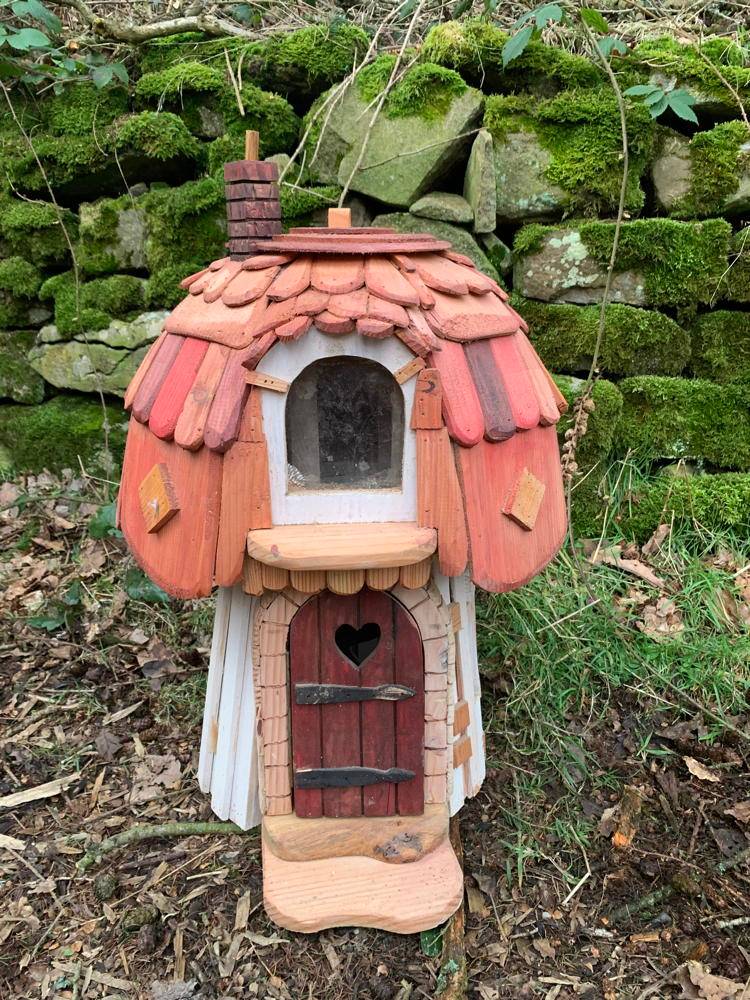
<point>175,388</point>
<point>461,407</point>
<point>378,720</point>
<point>188,432</point>
<point>499,424</point>
<point>440,503</point>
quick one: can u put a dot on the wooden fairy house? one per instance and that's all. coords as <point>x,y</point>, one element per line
<point>343,430</point>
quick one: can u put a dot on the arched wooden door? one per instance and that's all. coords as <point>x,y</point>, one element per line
<point>357,695</point>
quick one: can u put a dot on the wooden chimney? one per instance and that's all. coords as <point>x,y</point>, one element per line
<point>252,196</point>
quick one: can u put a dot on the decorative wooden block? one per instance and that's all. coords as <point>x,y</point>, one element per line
<point>428,401</point>
<point>461,718</point>
<point>342,546</point>
<point>416,575</point>
<point>308,581</point>
<point>382,579</point>
<point>157,496</point>
<point>409,370</point>
<point>524,500</point>
<point>264,381</point>
<point>339,218</point>
<point>461,750</point>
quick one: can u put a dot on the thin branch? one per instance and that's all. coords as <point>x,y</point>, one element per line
<point>141,832</point>
<point>133,34</point>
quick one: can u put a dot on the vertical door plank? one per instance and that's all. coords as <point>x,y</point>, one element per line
<point>409,713</point>
<point>304,668</point>
<point>378,717</point>
<point>340,723</point>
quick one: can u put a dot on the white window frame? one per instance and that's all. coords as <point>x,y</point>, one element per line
<point>286,360</point>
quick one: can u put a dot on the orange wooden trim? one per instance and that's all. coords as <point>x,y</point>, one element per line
<point>461,718</point>
<point>274,578</point>
<point>308,581</point>
<point>252,577</point>
<point>428,401</point>
<point>383,578</point>
<point>409,370</point>
<point>415,575</point>
<point>264,381</point>
<point>440,502</point>
<point>158,498</point>
<point>461,751</point>
<point>143,367</point>
<point>345,581</point>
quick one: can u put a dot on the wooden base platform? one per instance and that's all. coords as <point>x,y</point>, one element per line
<point>309,896</point>
<point>394,839</point>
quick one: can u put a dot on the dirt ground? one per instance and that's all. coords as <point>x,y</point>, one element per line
<point>633,884</point>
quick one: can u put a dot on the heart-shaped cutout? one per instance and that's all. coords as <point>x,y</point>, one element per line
<point>356,644</point>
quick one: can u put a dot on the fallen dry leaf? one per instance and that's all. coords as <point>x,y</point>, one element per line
<point>699,984</point>
<point>655,542</point>
<point>740,811</point>
<point>612,556</point>
<point>154,774</point>
<point>699,771</point>
<point>662,620</point>
<point>620,822</point>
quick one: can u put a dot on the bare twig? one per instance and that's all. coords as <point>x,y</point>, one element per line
<point>151,831</point>
<point>133,34</point>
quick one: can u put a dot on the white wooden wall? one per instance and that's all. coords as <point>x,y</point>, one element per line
<point>228,765</point>
<point>286,360</point>
<point>462,593</point>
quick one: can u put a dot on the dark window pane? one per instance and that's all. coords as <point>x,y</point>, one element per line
<point>344,426</point>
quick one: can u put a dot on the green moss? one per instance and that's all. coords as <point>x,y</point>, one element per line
<point>425,90</point>
<point>53,435</point>
<point>474,49</point>
<point>19,284</point>
<point>223,150</point>
<point>636,341</point>
<point>529,239</point>
<point>18,380</point>
<point>581,130</point>
<point>682,262</point>
<point>34,229</point>
<point>180,79</point>
<point>185,223</point>
<point>159,135</point>
<point>269,114</point>
<point>313,57</point>
<point>93,304</point>
<point>306,61</point>
<point>681,418</point>
<point>80,109</point>
<point>717,163</point>
<point>65,159</point>
<point>163,286</point>
<point>735,284</point>
<point>20,277</point>
<point>111,236</point>
<point>594,449</point>
<point>298,201</point>
<point>693,66</point>
<point>712,504</point>
<point>721,346</point>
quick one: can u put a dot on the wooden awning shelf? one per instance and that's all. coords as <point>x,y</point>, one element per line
<point>342,546</point>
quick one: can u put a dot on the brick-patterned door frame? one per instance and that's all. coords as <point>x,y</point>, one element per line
<point>271,676</point>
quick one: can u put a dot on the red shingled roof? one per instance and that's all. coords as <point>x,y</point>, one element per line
<point>436,302</point>
<point>191,388</point>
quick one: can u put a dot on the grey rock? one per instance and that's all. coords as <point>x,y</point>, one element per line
<point>136,190</point>
<point>444,207</point>
<point>479,182</point>
<point>463,242</point>
<point>403,157</point>
<point>103,360</point>
<point>18,380</point>
<point>123,249</point>
<point>498,252</point>
<point>522,189</point>
<point>671,172</point>
<point>562,270</point>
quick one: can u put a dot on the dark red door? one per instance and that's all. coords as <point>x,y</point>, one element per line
<point>357,694</point>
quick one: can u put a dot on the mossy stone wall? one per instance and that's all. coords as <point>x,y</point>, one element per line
<point>137,176</point>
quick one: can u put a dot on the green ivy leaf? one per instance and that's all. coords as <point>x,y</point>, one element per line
<point>50,622</point>
<point>102,524</point>
<point>139,588</point>
<point>516,44</point>
<point>548,13</point>
<point>431,941</point>
<point>27,39</point>
<point>654,97</point>
<point>641,89</point>
<point>72,596</point>
<point>681,102</point>
<point>659,106</point>
<point>608,45</point>
<point>594,20</point>
<point>102,76</point>
<point>37,11</point>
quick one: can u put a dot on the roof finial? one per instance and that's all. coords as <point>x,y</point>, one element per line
<point>252,193</point>
<point>339,218</point>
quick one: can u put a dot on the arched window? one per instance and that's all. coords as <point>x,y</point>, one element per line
<point>344,427</point>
